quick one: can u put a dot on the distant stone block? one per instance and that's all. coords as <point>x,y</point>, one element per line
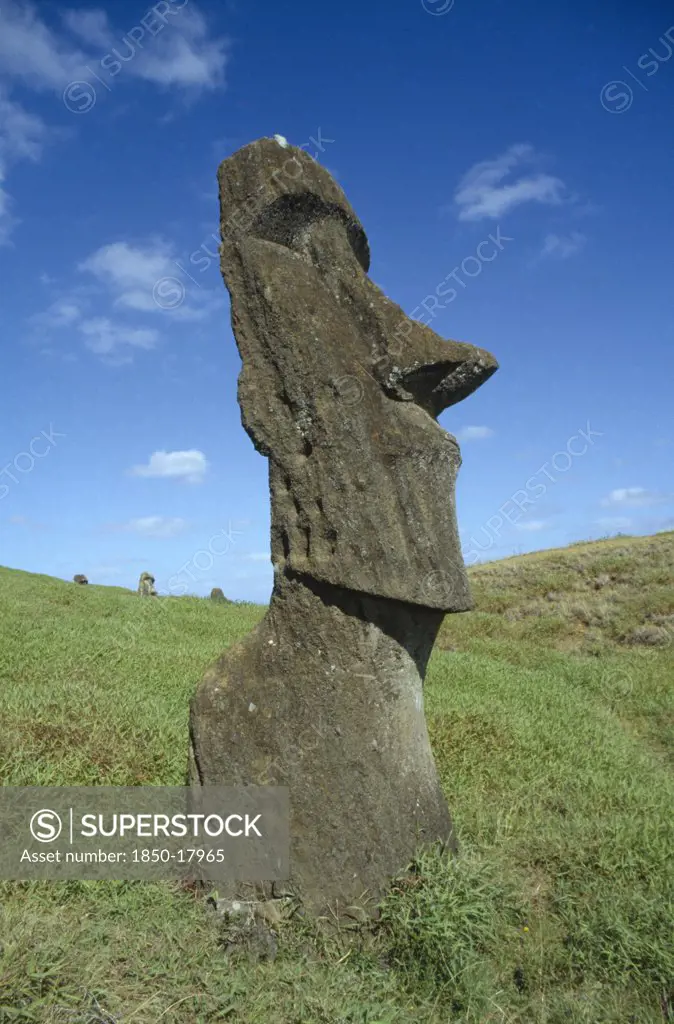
<point>146,585</point>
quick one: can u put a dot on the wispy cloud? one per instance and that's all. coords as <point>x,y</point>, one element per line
<point>31,52</point>
<point>634,497</point>
<point>91,26</point>
<point>22,136</point>
<point>156,527</point>
<point>63,312</point>
<point>563,246</point>
<point>145,278</point>
<point>189,466</point>
<point>130,272</point>
<point>474,433</point>
<point>173,49</point>
<point>186,57</point>
<point>106,338</point>
<point>109,338</point>
<point>483,193</point>
<point>123,279</point>
<point>533,525</point>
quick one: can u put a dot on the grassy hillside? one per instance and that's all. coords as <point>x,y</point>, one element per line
<point>551,714</point>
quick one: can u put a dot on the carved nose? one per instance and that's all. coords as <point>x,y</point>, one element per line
<point>437,385</point>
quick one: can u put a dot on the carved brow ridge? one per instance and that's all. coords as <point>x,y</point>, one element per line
<point>291,214</point>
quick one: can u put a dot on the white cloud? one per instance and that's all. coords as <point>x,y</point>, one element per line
<point>148,280</point>
<point>130,271</point>
<point>533,525</point>
<point>188,465</point>
<point>474,433</point>
<point>183,55</point>
<point>32,53</point>
<point>91,26</point>
<point>63,313</point>
<point>158,527</point>
<point>22,136</point>
<point>7,220</point>
<point>126,276</point>
<point>258,556</point>
<point>633,497</point>
<point>563,246</point>
<point>142,278</point>
<point>482,192</point>
<point>173,50</point>
<point>105,338</point>
<point>614,523</point>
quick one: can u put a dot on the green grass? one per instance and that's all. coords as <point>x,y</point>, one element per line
<point>551,715</point>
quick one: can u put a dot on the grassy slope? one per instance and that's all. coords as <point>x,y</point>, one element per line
<point>550,709</point>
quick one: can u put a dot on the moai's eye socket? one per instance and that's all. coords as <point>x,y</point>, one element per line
<point>290,217</point>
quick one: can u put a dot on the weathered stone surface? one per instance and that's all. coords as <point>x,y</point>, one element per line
<point>146,585</point>
<point>218,596</point>
<point>340,390</point>
<point>79,578</point>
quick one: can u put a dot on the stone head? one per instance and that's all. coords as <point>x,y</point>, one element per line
<point>340,389</point>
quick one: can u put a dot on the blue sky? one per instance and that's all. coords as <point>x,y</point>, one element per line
<point>511,164</point>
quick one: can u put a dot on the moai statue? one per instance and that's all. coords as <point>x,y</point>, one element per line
<point>79,578</point>
<point>218,596</point>
<point>340,390</point>
<point>146,585</point>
